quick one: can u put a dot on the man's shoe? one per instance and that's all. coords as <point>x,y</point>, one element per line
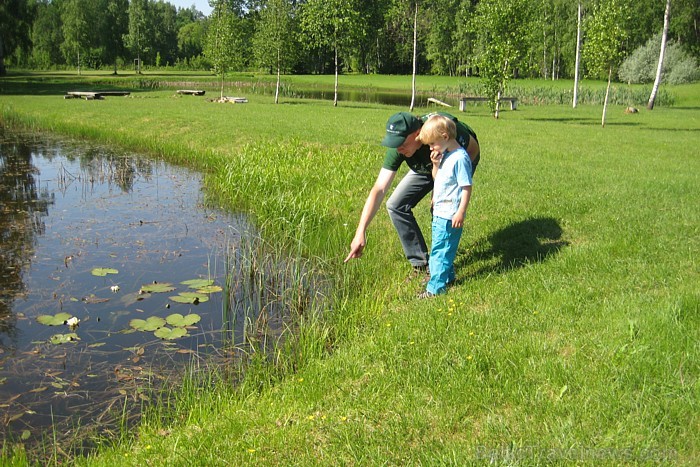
<point>425,294</point>
<point>420,271</point>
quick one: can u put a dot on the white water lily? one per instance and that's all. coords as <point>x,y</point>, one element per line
<point>72,322</point>
<point>115,288</point>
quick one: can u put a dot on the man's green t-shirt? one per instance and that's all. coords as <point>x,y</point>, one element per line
<point>420,161</point>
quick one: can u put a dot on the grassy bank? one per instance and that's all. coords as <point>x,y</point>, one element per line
<point>570,337</point>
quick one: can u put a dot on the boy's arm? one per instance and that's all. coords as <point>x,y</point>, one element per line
<point>435,158</point>
<point>458,218</point>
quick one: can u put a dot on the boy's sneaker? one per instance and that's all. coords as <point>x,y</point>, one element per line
<point>425,294</point>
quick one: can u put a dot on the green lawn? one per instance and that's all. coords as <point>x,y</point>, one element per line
<point>571,336</point>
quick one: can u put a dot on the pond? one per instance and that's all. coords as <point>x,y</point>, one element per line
<point>114,275</point>
<point>373,97</point>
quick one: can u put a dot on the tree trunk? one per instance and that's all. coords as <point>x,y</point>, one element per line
<point>659,68</point>
<point>607,93</point>
<point>578,55</point>
<point>554,55</point>
<point>335,95</point>
<point>3,71</point>
<point>554,66</point>
<point>277,87</point>
<point>498,105</point>
<point>415,58</point>
<point>544,52</point>
<point>379,60</point>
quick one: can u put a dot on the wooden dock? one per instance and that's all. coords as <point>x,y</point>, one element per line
<point>230,100</point>
<point>190,92</point>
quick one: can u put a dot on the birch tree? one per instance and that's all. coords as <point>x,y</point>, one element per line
<point>501,29</point>
<point>76,29</point>
<point>659,67</point>
<point>222,40</point>
<point>605,36</point>
<point>136,39</point>
<point>577,66</point>
<point>335,24</point>
<point>274,40</point>
<point>415,58</point>
<point>398,35</point>
<point>113,25</point>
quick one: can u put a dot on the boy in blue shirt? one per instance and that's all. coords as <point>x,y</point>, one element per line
<point>452,171</point>
<point>403,145</point>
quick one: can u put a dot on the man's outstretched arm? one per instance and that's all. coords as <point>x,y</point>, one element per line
<point>372,205</point>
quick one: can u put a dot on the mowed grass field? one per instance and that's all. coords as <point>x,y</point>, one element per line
<point>571,336</point>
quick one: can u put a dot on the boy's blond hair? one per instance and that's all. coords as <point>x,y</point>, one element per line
<point>436,127</point>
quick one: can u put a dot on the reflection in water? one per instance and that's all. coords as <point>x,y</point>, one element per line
<point>371,97</point>
<point>22,206</point>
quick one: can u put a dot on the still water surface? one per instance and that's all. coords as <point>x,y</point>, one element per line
<point>372,97</point>
<point>67,208</point>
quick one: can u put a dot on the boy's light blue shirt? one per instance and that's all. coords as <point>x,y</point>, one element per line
<point>454,172</point>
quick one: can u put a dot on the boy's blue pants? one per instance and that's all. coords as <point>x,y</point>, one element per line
<point>442,254</point>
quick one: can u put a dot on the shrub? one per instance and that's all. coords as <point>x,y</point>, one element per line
<point>682,68</point>
<point>640,67</point>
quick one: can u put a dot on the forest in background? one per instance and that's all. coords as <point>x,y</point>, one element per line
<point>359,36</point>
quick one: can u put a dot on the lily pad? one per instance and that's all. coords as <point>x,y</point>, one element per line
<point>157,288</point>
<point>197,283</point>
<point>190,297</point>
<point>104,271</point>
<point>170,334</point>
<point>180,299</point>
<point>64,338</point>
<point>56,320</point>
<point>150,324</point>
<point>210,289</point>
<point>176,319</point>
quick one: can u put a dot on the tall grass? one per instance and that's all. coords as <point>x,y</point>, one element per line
<point>569,338</point>
<point>541,94</point>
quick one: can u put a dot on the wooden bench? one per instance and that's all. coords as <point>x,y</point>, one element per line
<point>91,95</point>
<point>463,101</point>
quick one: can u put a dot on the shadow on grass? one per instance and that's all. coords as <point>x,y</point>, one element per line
<point>581,120</point>
<point>666,130</point>
<point>564,119</point>
<point>521,243</point>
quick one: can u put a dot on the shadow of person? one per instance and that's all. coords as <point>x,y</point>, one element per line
<point>520,243</point>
